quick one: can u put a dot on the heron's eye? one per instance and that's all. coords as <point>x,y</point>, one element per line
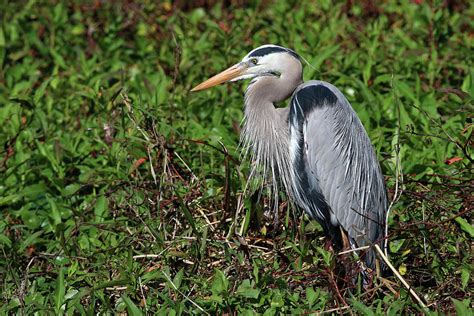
<point>254,61</point>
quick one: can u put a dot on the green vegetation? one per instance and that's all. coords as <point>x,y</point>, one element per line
<point>119,187</point>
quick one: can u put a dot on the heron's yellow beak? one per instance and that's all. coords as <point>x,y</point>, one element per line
<point>227,75</point>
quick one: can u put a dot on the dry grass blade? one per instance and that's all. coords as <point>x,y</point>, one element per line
<point>398,275</point>
<point>184,295</point>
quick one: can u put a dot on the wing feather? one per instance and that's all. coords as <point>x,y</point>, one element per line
<point>339,163</point>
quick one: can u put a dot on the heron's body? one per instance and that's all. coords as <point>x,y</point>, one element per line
<point>335,168</point>
<point>316,148</point>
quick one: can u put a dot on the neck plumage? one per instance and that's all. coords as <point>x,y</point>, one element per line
<point>265,139</point>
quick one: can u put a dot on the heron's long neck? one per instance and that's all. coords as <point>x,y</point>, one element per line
<point>265,136</point>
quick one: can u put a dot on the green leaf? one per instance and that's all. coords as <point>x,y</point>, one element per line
<point>327,256</point>
<point>54,212</point>
<point>178,278</point>
<point>396,245</point>
<point>12,198</point>
<point>277,299</point>
<point>39,93</point>
<point>5,240</point>
<point>220,283</point>
<point>405,119</point>
<point>406,91</point>
<point>132,309</point>
<point>187,213</point>
<point>151,275</point>
<point>465,226</point>
<point>58,59</point>
<point>323,55</point>
<point>31,239</point>
<point>395,308</point>
<point>2,37</point>
<point>461,309</point>
<point>361,308</point>
<point>100,208</point>
<point>311,296</point>
<point>71,189</point>
<point>465,275</point>
<point>246,289</point>
<point>35,191</point>
<point>59,292</point>
<point>366,72</point>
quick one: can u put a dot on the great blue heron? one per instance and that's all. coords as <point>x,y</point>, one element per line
<point>316,147</point>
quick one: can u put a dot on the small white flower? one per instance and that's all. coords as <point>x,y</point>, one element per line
<point>350,92</point>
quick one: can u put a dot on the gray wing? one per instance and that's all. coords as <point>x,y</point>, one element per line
<point>336,166</point>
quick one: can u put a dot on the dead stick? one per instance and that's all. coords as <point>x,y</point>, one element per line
<point>405,283</point>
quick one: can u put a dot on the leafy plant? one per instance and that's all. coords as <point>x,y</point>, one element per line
<point>119,188</point>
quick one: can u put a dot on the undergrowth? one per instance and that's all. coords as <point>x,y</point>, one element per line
<point>121,191</point>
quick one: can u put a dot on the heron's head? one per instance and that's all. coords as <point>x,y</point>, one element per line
<point>267,62</point>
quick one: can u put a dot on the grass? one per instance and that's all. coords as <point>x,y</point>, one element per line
<point>119,187</point>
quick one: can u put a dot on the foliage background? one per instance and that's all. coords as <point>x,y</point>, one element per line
<point>119,188</point>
